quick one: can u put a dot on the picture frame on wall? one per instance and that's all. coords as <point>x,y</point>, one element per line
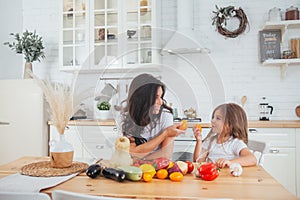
<point>269,42</point>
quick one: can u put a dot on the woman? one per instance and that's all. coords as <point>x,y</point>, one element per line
<point>226,143</point>
<point>147,121</point>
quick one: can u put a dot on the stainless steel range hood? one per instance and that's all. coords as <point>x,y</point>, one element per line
<point>183,40</point>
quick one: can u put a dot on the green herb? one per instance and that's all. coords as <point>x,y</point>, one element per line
<point>104,105</point>
<point>29,44</point>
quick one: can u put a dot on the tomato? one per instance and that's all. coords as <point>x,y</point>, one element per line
<point>198,126</point>
<point>147,177</point>
<point>208,171</point>
<point>190,166</point>
<point>162,173</point>
<point>183,125</point>
<point>176,176</point>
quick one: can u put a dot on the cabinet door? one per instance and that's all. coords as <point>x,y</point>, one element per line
<point>280,154</point>
<point>74,44</point>
<point>98,141</point>
<point>280,163</point>
<point>73,135</point>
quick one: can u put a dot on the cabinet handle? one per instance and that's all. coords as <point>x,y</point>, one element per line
<point>67,128</point>
<point>252,130</point>
<point>100,146</point>
<point>115,129</point>
<point>4,123</point>
<point>274,150</point>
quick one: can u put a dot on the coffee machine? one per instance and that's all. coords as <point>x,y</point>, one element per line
<point>265,110</point>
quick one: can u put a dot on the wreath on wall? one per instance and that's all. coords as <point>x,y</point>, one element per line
<point>224,14</point>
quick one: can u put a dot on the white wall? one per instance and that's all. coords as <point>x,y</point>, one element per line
<point>236,60</point>
<point>11,22</point>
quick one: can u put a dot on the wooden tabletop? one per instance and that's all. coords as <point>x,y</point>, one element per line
<point>254,183</point>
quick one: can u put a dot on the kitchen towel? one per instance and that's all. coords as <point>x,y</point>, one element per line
<point>22,183</point>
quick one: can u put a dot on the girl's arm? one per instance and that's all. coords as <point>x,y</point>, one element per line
<point>199,154</point>
<point>246,159</point>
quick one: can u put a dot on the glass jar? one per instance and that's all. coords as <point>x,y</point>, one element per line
<point>275,14</point>
<point>292,13</point>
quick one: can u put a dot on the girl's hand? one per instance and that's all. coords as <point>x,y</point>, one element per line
<point>197,133</point>
<point>221,162</point>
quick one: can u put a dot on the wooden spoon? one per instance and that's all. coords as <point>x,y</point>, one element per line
<point>244,100</point>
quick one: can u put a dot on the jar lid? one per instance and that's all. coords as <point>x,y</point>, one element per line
<point>292,8</point>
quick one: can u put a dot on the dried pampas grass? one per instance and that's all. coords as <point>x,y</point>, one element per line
<point>60,98</point>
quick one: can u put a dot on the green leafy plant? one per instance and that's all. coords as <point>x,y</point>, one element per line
<point>29,44</point>
<point>104,105</point>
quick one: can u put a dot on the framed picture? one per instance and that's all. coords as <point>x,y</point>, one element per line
<point>270,44</point>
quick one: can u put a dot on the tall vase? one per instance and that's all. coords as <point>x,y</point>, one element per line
<point>61,153</point>
<point>28,67</point>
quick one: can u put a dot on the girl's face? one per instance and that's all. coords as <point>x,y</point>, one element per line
<point>217,122</point>
<point>158,101</point>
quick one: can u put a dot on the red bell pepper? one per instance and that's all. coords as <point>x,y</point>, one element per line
<point>208,171</point>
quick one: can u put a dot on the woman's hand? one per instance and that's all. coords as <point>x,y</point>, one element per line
<point>197,133</point>
<point>174,131</point>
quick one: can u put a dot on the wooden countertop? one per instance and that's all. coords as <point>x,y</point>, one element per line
<point>252,123</point>
<point>254,183</point>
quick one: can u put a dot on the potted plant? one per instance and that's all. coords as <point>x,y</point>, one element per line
<point>30,45</point>
<point>104,109</point>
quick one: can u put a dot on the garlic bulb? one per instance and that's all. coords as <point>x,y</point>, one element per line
<point>236,169</point>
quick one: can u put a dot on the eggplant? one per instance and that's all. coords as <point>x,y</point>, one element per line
<point>115,174</point>
<point>93,171</point>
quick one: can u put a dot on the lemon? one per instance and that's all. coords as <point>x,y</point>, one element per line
<point>148,168</point>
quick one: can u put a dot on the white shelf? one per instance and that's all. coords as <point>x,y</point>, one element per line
<point>284,26</point>
<point>283,63</point>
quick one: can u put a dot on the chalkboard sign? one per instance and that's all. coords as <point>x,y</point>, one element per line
<point>269,44</point>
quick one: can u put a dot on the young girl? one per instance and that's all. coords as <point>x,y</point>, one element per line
<point>227,140</point>
<point>147,121</point>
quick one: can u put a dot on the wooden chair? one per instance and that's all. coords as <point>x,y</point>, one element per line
<point>183,156</point>
<point>258,149</point>
<point>23,196</point>
<point>65,195</point>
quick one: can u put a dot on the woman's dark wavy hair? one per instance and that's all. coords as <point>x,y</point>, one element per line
<point>138,112</point>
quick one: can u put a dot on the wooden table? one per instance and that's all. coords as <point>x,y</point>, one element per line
<point>255,183</point>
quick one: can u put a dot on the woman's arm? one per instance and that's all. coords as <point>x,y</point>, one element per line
<point>163,138</point>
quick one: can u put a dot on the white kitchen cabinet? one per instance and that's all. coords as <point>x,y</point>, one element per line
<point>280,156</point>
<point>298,161</point>
<point>98,141</point>
<point>285,26</point>
<point>89,142</point>
<point>97,35</point>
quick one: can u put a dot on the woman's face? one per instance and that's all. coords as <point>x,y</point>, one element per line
<point>217,122</point>
<point>158,100</point>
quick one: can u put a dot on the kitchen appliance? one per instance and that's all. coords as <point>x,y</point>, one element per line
<point>265,110</point>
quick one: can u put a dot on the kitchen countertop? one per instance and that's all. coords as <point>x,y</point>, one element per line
<point>254,183</point>
<point>251,123</point>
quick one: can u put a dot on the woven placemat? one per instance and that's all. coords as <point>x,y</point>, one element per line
<point>44,169</point>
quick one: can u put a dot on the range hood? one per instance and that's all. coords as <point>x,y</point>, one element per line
<point>183,39</point>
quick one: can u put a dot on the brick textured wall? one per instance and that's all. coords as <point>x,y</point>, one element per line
<point>236,60</point>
